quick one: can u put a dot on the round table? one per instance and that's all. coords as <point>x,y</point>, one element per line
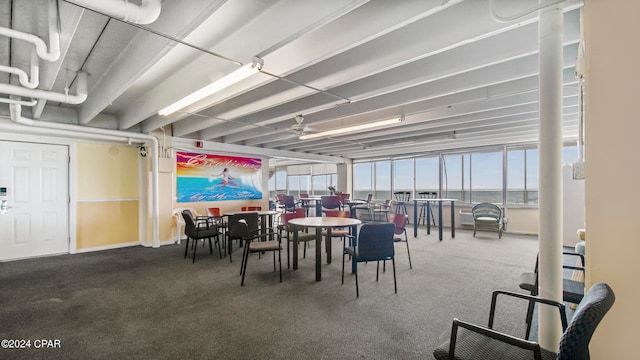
<point>319,223</point>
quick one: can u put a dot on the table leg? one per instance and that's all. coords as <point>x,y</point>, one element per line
<point>428,217</point>
<point>453,221</point>
<point>318,253</point>
<point>440,219</point>
<point>415,218</point>
<point>318,208</point>
<point>329,245</point>
<point>295,247</point>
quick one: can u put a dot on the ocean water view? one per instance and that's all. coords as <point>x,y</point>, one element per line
<point>194,189</point>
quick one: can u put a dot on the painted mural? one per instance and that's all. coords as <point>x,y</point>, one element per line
<point>206,177</point>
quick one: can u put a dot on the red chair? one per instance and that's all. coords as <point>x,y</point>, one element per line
<point>400,221</point>
<point>302,236</point>
<point>340,232</point>
<point>251,208</point>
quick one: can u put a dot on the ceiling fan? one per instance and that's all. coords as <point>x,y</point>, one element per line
<point>298,128</point>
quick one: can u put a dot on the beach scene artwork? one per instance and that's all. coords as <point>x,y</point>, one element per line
<point>208,177</point>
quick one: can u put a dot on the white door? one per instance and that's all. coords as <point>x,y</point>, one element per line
<point>36,178</point>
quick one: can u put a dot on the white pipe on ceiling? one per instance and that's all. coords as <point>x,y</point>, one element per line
<point>30,81</point>
<point>145,13</point>
<point>78,98</point>
<point>53,54</point>
<point>76,131</point>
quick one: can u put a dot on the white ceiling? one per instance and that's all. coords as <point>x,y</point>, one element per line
<point>459,78</point>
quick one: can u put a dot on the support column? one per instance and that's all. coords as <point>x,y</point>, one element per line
<point>550,30</point>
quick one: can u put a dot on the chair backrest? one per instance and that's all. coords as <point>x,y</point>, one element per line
<point>574,344</point>
<point>369,198</point>
<point>237,231</point>
<point>330,202</point>
<point>214,212</point>
<point>344,198</point>
<point>292,215</point>
<point>402,195</point>
<point>487,210</point>
<point>289,203</point>
<point>189,223</point>
<point>375,242</point>
<point>303,196</point>
<point>338,213</point>
<point>428,195</point>
<point>400,222</point>
<point>251,208</point>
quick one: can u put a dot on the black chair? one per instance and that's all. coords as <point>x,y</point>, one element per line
<point>402,198</point>
<point>202,231</point>
<point>251,236</point>
<point>425,208</point>
<point>469,341</point>
<point>375,243</point>
<point>572,290</point>
<point>235,232</point>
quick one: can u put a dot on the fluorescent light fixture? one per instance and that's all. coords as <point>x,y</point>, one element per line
<point>222,83</point>
<point>349,129</point>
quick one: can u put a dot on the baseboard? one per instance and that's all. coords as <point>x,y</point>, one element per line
<point>107,247</point>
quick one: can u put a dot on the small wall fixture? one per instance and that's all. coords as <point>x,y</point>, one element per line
<point>240,74</point>
<point>350,129</point>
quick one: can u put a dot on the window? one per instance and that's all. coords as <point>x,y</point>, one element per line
<point>362,180</point>
<point>452,177</point>
<point>486,177</point>
<point>298,184</point>
<point>403,176</point>
<point>427,174</point>
<point>320,183</point>
<point>382,185</point>
<point>278,183</point>
<point>522,176</point>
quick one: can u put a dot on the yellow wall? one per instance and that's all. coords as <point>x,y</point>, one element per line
<point>107,195</point>
<point>612,183</point>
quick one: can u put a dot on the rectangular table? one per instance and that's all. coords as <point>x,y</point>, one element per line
<point>428,202</point>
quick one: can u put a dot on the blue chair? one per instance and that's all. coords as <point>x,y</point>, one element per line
<point>469,341</point>
<point>375,243</point>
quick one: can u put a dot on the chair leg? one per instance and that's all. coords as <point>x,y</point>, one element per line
<point>280,263</point>
<point>219,245</point>
<point>406,239</point>
<point>186,248</point>
<point>195,242</point>
<point>377,269</point>
<point>357,290</point>
<point>243,268</point>
<point>210,246</point>
<point>343,267</point>
<point>245,255</point>
<point>395,285</point>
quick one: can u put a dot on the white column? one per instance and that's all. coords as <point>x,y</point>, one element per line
<point>550,172</point>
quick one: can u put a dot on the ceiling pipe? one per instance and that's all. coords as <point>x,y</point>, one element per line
<point>78,98</point>
<point>145,13</point>
<point>31,102</point>
<point>77,131</point>
<point>53,54</point>
<point>29,81</point>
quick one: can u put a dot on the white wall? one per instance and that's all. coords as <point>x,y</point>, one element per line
<point>612,182</point>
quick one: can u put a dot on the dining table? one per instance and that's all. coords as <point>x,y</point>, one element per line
<point>319,223</point>
<point>428,203</point>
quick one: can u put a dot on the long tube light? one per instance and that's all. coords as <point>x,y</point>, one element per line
<point>222,83</point>
<point>349,129</point>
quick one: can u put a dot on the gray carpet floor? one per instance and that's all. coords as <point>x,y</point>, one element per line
<point>141,303</point>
